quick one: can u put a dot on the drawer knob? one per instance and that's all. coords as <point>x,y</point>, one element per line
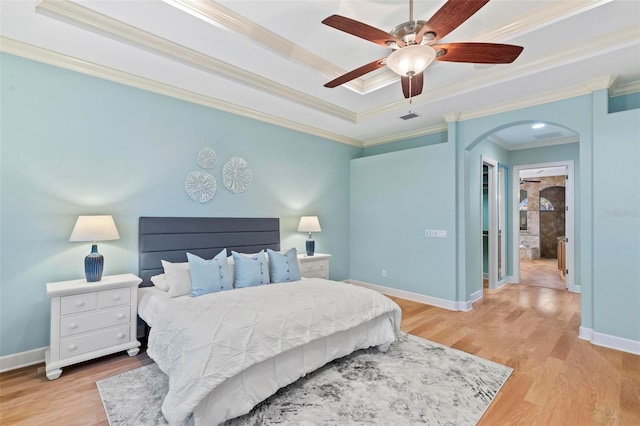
<point>73,326</point>
<point>116,297</point>
<point>73,347</point>
<point>120,315</point>
<point>120,336</point>
<point>79,303</point>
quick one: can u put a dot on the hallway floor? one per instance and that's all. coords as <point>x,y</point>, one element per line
<point>541,273</point>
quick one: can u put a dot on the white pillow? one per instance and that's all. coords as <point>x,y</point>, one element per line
<point>160,281</point>
<point>178,278</point>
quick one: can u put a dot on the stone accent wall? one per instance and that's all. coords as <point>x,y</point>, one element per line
<point>543,227</point>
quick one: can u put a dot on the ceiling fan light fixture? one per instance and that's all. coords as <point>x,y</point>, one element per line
<point>411,60</point>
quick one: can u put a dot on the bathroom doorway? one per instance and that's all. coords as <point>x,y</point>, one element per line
<point>543,221</point>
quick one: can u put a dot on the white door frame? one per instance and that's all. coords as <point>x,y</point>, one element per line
<point>493,220</point>
<point>569,219</point>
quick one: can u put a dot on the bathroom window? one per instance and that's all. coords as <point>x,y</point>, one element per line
<point>545,205</point>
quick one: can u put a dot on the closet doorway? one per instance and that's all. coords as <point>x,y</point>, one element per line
<point>494,215</point>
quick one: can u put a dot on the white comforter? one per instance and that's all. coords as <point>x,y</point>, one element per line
<point>201,342</point>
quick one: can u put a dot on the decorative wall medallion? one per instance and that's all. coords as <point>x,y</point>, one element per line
<point>200,186</point>
<point>207,158</point>
<point>236,176</point>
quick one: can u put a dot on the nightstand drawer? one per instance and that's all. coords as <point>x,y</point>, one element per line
<point>316,274</point>
<point>78,303</point>
<point>314,265</point>
<point>118,296</point>
<point>77,324</point>
<point>74,346</point>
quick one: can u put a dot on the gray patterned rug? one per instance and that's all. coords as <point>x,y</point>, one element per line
<point>415,382</point>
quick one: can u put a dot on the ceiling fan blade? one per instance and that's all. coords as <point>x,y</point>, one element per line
<point>449,17</point>
<point>372,66</point>
<point>416,85</point>
<point>478,53</point>
<point>361,30</point>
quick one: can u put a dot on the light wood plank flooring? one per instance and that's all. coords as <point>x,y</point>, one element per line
<point>558,379</point>
<point>542,273</point>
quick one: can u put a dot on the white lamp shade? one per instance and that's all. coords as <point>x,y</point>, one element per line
<point>94,228</point>
<point>309,224</point>
<point>411,60</point>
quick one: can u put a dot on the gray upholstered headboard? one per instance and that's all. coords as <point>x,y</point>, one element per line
<point>170,238</point>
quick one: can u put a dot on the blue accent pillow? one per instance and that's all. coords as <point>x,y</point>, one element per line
<point>209,276</point>
<point>283,267</point>
<point>250,271</point>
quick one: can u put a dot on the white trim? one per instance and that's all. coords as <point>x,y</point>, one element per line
<point>575,288</point>
<point>22,359</point>
<point>609,341</point>
<point>477,295</point>
<point>79,15</point>
<point>585,333</point>
<point>415,297</point>
<point>569,219</point>
<point>493,219</point>
<point>507,279</point>
<point>28,51</point>
<point>438,128</point>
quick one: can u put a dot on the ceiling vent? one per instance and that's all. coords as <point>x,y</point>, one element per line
<point>409,116</point>
<point>545,136</point>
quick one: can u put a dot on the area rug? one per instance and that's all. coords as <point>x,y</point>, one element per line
<point>415,382</point>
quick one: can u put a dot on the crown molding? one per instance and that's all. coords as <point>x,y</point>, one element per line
<point>625,89</point>
<point>618,40</point>
<point>548,13</point>
<point>39,54</point>
<point>216,14</point>
<point>538,144</point>
<point>80,15</point>
<point>438,128</point>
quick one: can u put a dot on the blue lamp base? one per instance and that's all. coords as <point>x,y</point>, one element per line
<point>93,265</point>
<point>311,246</point>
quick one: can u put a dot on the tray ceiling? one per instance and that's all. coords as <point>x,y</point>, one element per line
<point>269,59</point>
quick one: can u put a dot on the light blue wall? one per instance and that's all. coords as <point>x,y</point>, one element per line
<point>473,157</point>
<point>616,220</point>
<point>73,144</point>
<point>394,198</point>
<point>624,102</point>
<point>426,140</point>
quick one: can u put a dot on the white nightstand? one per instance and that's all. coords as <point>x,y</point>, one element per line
<point>316,266</point>
<point>90,320</point>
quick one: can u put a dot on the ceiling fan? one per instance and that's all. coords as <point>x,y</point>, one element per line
<point>414,48</point>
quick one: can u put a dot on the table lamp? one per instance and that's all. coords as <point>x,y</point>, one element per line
<point>309,224</point>
<point>94,228</point>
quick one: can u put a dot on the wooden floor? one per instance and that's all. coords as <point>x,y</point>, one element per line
<point>557,379</point>
<point>542,273</point>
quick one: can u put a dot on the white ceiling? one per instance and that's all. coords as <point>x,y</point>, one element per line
<point>269,59</point>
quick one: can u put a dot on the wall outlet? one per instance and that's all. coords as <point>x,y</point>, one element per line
<point>427,233</point>
<point>384,272</point>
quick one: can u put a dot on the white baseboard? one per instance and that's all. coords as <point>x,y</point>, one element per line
<point>609,341</point>
<point>504,281</point>
<point>416,297</point>
<point>575,289</point>
<point>22,359</point>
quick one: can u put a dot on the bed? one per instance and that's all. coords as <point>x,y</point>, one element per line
<point>227,351</point>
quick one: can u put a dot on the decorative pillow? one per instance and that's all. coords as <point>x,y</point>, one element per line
<point>160,281</point>
<point>178,278</point>
<point>283,267</point>
<point>209,276</point>
<point>250,271</point>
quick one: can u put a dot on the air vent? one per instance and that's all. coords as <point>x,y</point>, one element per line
<point>409,116</point>
<point>552,135</point>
